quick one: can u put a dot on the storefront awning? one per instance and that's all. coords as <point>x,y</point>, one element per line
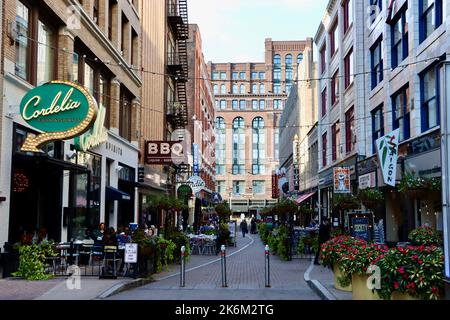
<point>304,197</point>
<point>116,194</point>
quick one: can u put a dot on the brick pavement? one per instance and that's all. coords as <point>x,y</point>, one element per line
<point>245,275</point>
<point>17,289</point>
<point>326,278</point>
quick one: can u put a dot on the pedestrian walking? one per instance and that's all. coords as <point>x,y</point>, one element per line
<point>253,226</point>
<point>244,227</point>
<point>324,236</point>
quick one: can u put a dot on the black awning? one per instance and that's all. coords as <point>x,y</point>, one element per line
<point>38,159</point>
<point>116,194</point>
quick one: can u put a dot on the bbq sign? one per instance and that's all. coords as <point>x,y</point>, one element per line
<point>61,110</point>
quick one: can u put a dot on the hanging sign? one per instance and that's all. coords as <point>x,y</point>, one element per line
<point>196,183</point>
<point>360,228</point>
<point>341,180</point>
<point>95,136</point>
<point>387,150</point>
<point>61,109</point>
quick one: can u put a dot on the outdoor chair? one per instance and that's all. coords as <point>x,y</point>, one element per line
<point>110,260</point>
<point>209,247</point>
<point>86,252</point>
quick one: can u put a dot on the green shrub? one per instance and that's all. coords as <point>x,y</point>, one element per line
<point>32,261</point>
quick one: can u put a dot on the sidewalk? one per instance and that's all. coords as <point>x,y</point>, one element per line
<point>321,280</point>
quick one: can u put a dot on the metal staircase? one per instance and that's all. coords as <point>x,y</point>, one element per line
<point>178,68</point>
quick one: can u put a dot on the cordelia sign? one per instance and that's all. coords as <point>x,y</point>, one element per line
<point>97,135</point>
<point>387,149</point>
<point>61,109</point>
<point>196,183</point>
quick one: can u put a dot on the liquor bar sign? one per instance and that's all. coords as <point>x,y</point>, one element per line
<point>164,152</point>
<point>387,149</point>
<point>275,193</point>
<point>61,110</point>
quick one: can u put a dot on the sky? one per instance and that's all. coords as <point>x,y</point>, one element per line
<point>235,30</point>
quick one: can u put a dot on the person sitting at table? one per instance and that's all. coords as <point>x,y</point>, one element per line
<point>98,234</point>
<point>109,237</point>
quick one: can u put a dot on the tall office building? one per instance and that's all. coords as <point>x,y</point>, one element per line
<point>249,102</point>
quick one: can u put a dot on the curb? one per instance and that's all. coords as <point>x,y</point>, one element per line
<point>120,287</point>
<point>316,286</point>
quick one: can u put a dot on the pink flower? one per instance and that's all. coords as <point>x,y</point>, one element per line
<point>396,285</point>
<point>401,270</point>
<point>420,262</point>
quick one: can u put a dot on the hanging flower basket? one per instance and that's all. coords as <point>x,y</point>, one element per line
<point>415,193</point>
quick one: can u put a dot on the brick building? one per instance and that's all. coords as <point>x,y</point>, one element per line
<point>69,188</point>
<point>249,102</point>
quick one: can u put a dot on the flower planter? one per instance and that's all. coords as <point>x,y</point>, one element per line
<point>415,193</point>
<point>371,204</point>
<point>338,274</point>
<point>360,291</point>
<point>397,295</point>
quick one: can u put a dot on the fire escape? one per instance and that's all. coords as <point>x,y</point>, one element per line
<point>177,66</point>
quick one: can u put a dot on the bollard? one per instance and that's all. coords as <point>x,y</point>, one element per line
<point>267,266</point>
<point>224,266</point>
<point>183,267</point>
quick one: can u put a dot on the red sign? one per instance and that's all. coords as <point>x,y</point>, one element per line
<point>164,152</point>
<point>275,191</point>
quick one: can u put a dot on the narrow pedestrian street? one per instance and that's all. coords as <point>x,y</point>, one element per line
<point>245,278</point>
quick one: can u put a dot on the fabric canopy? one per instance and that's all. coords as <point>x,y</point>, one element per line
<point>115,194</point>
<point>304,197</point>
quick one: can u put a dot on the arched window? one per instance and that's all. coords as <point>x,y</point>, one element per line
<point>288,60</point>
<point>235,89</point>
<point>259,142</point>
<point>277,59</point>
<point>216,89</point>
<point>223,89</point>
<point>238,146</point>
<point>220,145</point>
<point>299,58</point>
<point>242,89</point>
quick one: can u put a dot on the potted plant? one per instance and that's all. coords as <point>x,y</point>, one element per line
<point>425,236</point>
<point>355,263</point>
<point>331,253</point>
<point>345,201</point>
<point>412,186</point>
<point>411,273</point>
<point>370,197</point>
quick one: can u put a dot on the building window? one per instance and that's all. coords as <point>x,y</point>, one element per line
<point>349,130</point>
<point>335,141</point>
<point>324,150</point>
<point>234,105</point>
<point>277,104</point>
<point>259,187</point>
<point>34,45</point>
<point>242,89</point>
<point>235,75</point>
<point>289,75</point>
<point>334,38</point>
<point>299,58</point>
<point>223,89</point>
<point>377,126</point>
<point>242,75</point>
<point>238,187</point>
<point>235,89</point>
<point>430,17</point>
<point>223,76</point>
<point>217,105</point>
<point>429,92</point>
<point>377,7</point>
<point>348,15</point>
<point>400,112</point>
<point>215,76</point>
<point>277,74</point>
<point>399,38</point>
<point>242,104</point>
<point>335,88</point>
<point>220,145</point>
<point>125,114</point>
<point>277,60</point>
<point>254,104</point>
<point>277,88</point>
<point>277,144</point>
<point>288,60</point>
<point>288,88</point>
<point>216,89</point>
<point>262,104</point>
<point>221,188</point>
<point>262,75</point>
<point>376,59</point>
<point>254,75</point>
<point>223,104</point>
<point>322,59</point>
<point>349,72</point>
<point>258,147</point>
<point>262,89</point>
<point>238,146</point>
<point>324,102</point>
